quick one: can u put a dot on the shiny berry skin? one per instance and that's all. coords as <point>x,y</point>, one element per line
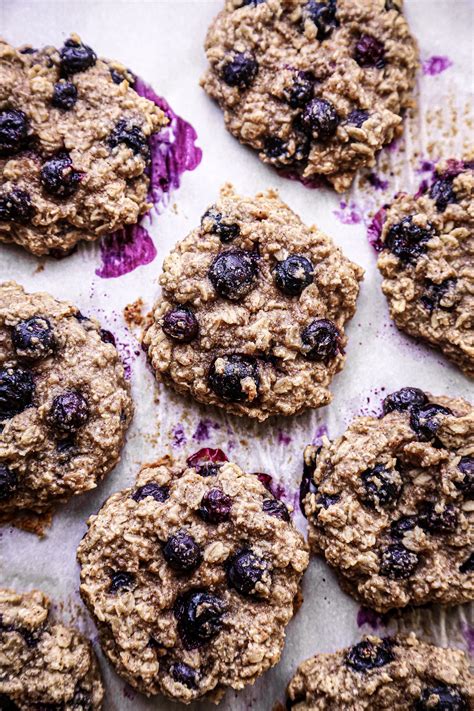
<point>215,507</point>
<point>76,57</point>
<point>64,95</point>
<point>468,565</point>
<point>435,293</point>
<point>121,581</point>
<point>16,206</point>
<point>184,674</point>
<point>157,492</point>
<point>320,119</point>
<point>442,193</point>
<point>404,400</point>
<point>369,52</point>
<point>17,389</point>
<point>426,420</point>
<point>244,570</point>
<point>438,518</point>
<point>357,117</point>
<point>182,553</point>
<point>59,177</point>
<point>181,324</point>
<point>466,467</point>
<point>34,338</point>
<point>232,273</point>
<point>382,486</point>
<point>231,376</point>
<point>240,71</point>
<point>369,655</point>
<point>69,412</point>
<point>441,698</point>
<point>293,274</point>
<point>276,508</point>
<point>213,221</point>
<point>321,339</point>
<point>301,92</point>
<point>129,135</point>
<point>407,241</point>
<point>13,131</point>
<point>199,615</point>
<point>397,562</point>
<point>207,461</point>
<point>403,525</point>
<point>323,14</point>
<point>8,482</point>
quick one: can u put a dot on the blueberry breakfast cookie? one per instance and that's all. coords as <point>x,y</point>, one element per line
<point>315,87</point>
<point>73,146</point>
<point>253,310</point>
<point>192,576</point>
<point>428,262</point>
<point>64,402</point>
<point>390,503</point>
<point>395,673</point>
<point>43,665</point>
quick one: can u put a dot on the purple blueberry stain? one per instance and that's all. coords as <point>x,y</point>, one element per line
<point>348,213</point>
<point>436,65</point>
<point>468,632</point>
<point>377,182</point>
<point>321,431</point>
<point>125,250</point>
<point>204,429</point>
<point>283,438</point>
<point>367,616</point>
<point>374,229</point>
<point>178,436</point>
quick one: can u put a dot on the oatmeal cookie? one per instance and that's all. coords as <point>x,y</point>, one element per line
<point>64,402</point>
<point>390,503</point>
<point>44,665</point>
<point>253,310</point>
<point>428,262</point>
<point>317,88</point>
<point>73,146</point>
<point>192,576</point>
<point>395,673</point>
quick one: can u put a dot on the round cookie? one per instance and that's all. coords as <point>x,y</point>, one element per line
<point>395,673</point>
<point>253,310</point>
<point>64,403</point>
<point>427,262</point>
<point>390,503</point>
<point>315,87</point>
<point>44,665</point>
<point>73,146</point>
<point>192,576</point>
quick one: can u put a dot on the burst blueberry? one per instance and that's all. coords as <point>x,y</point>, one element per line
<point>184,674</point>
<point>207,461</point>
<point>131,136</point>
<point>301,91</point>
<point>367,655</point>
<point>466,485</point>
<point>16,206</point>
<point>76,57</point>
<point>274,147</point>
<point>69,412</point>
<point>382,486</point>
<point>438,517</point>
<point>59,177</point>
<point>426,420</point>
<point>8,482</point>
<point>404,400</point>
<point>397,562</point>
<point>34,338</point>
<point>234,378</point>
<point>323,14</point>
<point>199,616</point>
<point>152,489</point>
<point>121,581</point>
<point>402,526</point>
<point>13,131</point>
<point>370,52</point>
<point>320,119</point>
<point>357,117</point>
<point>241,70</point>
<point>293,274</point>
<point>232,273</point>
<point>244,570</point>
<point>17,389</point>
<point>442,193</point>
<point>324,501</point>
<point>181,324</point>
<point>321,340</point>
<point>182,553</point>
<point>215,507</point>
<point>276,508</point>
<point>407,240</point>
<point>64,95</point>
<point>441,698</point>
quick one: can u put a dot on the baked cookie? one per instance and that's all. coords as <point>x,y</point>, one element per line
<point>253,310</point>
<point>192,576</point>
<point>44,665</point>
<point>395,673</point>
<point>315,87</point>
<point>73,146</point>
<point>428,262</point>
<point>390,503</point>
<point>64,402</point>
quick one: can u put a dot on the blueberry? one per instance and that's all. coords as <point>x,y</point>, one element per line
<point>381,486</point>
<point>234,377</point>
<point>107,337</point>
<point>8,482</point>
<point>241,70</point>
<point>370,52</point>
<point>182,553</point>
<point>323,14</point>
<point>442,193</point>
<point>215,506</point>
<point>68,412</point>
<point>199,615</point>
<point>276,508</point>
<point>16,206</point>
<point>76,57</point>
<point>232,273</point>
<point>117,77</point>
<point>207,461</point>
<point>426,420</point>
<point>466,467</point>
<point>274,147</point>
<point>397,562</point>
<point>33,338</point>
<point>407,241</point>
<point>157,492</point>
<point>59,177</point>
<point>181,324</point>
<point>184,674</point>
<point>320,119</point>
<point>121,580</point>
<point>81,701</point>
<point>129,135</point>
<point>357,117</point>
<point>369,655</point>
<point>324,501</point>
<point>244,570</point>
<point>212,221</point>
<point>13,131</point>
<point>438,518</point>
<point>435,293</point>
<point>402,525</point>
<point>16,391</point>
<point>294,274</point>
<point>468,565</point>
<point>404,400</point>
<point>64,95</point>
<point>441,698</point>
<point>301,91</point>
<point>321,339</point>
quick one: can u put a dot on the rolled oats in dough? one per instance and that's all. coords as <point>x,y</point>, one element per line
<point>73,146</point>
<point>317,88</point>
<point>428,262</point>
<point>43,664</point>
<point>64,402</point>
<point>390,503</point>
<point>253,310</point>
<point>192,576</point>
<point>395,674</point>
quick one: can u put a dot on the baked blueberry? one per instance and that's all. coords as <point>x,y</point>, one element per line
<point>157,492</point>
<point>357,117</point>
<point>117,77</point>
<point>234,377</point>
<point>59,177</point>
<point>232,273</point>
<point>64,95</point>
<point>13,131</point>
<point>107,337</point>
<point>215,506</point>
<point>466,485</point>
<point>17,389</point>
<point>120,581</point>
<point>426,420</point>
<point>397,562</point>
<point>8,482</point>
<point>324,501</point>
<point>370,52</point>
<point>438,517</point>
<point>241,70</point>
<point>276,508</point>
<point>199,615</point>
<point>184,674</point>
<point>129,135</point>
<point>182,553</point>
<point>442,192</point>
<point>382,486</point>
<point>320,119</point>
<point>404,399</point>
<point>407,240</point>
<point>369,655</point>
<point>16,206</point>
<point>323,14</point>
<point>435,293</point>
<point>244,570</point>
<point>441,698</point>
<point>69,412</point>
<point>321,340</point>
<point>181,324</point>
<point>274,147</point>
<point>34,338</point>
<point>213,221</point>
<point>402,525</point>
<point>301,91</point>
<point>207,461</point>
<point>293,274</point>
<point>76,57</point>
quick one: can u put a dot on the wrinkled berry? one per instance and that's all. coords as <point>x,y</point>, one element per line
<point>121,580</point>
<point>397,562</point>
<point>16,206</point>
<point>199,615</point>
<point>33,338</point>
<point>407,241</point>
<point>234,378</point>
<point>441,698</point>
<point>369,52</point>
<point>435,293</point>
<point>301,92</point>
<point>232,273</point>
<point>426,420</point>
<point>357,117</point>
<point>13,131</point>
<point>404,399</point>
<point>8,482</point>
<point>276,508</point>
<point>320,119</point>
<point>244,570</point>
<point>466,467</point>
<point>321,339</point>
<point>129,135</point>
<point>241,70</point>
<point>215,506</point>
<point>369,655</point>
<point>323,14</point>
<point>59,177</point>
<point>16,391</point>
<point>403,525</point>
<point>64,95</point>
<point>182,552</point>
<point>274,147</point>
<point>212,221</point>
<point>157,492</point>
<point>468,565</point>
<point>207,461</point>
<point>293,274</point>
<point>76,57</point>
<point>442,193</point>
<point>438,518</point>
<point>184,674</point>
<point>181,324</point>
<point>381,486</point>
<point>68,412</point>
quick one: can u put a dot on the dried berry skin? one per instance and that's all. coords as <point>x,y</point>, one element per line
<point>382,486</point>
<point>184,674</point>
<point>438,518</point>
<point>323,14</point>
<point>215,507</point>
<point>68,412</point>
<point>442,192</point>
<point>301,91</point>
<point>404,400</point>
<point>357,117</point>
<point>157,492</point>
<point>426,420</point>
<point>276,508</point>
<point>397,562</point>
<point>370,52</point>
<point>448,698</point>
<point>64,95</point>
<point>76,57</point>
<point>207,461</point>
<point>121,581</point>
<point>466,485</point>
<point>213,221</point>
<point>131,136</point>
<point>59,178</point>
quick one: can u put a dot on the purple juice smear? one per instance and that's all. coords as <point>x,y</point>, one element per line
<point>179,436</point>
<point>468,633</point>
<point>203,430</point>
<point>125,250</point>
<point>366,616</point>
<point>283,438</point>
<point>348,213</point>
<point>377,182</point>
<point>436,65</point>
<point>374,230</point>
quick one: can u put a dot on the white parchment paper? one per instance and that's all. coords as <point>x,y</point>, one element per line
<point>162,42</point>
